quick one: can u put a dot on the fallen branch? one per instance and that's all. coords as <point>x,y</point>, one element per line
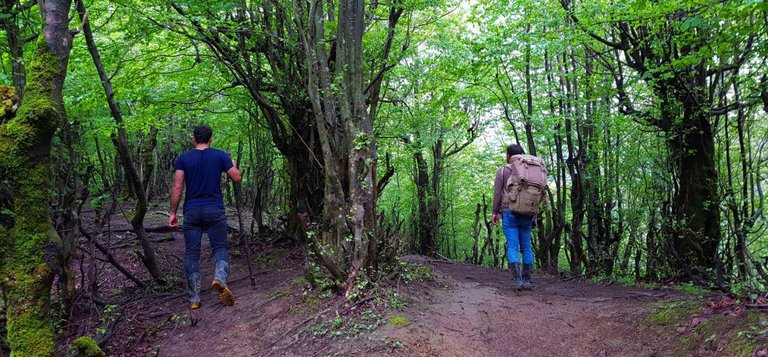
<point>111,258</point>
<point>164,229</point>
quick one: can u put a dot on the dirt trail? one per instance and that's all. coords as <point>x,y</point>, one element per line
<point>466,311</point>
<point>475,313</point>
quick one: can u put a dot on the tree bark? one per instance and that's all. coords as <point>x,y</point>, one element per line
<point>28,246</point>
<point>346,243</point>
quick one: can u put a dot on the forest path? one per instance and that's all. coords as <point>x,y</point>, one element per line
<point>466,311</point>
<point>475,313</point>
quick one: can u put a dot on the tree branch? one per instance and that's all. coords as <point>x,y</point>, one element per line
<point>473,133</point>
<point>387,174</point>
<point>623,45</point>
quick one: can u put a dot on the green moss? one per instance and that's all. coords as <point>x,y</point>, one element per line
<point>308,303</point>
<point>298,282</point>
<point>28,261</point>
<point>311,301</point>
<point>28,252</point>
<point>8,99</point>
<point>671,313</point>
<point>86,347</point>
<point>399,321</point>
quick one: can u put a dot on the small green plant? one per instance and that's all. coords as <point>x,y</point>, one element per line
<point>397,303</point>
<point>690,288</point>
<point>350,327</point>
<point>394,343</point>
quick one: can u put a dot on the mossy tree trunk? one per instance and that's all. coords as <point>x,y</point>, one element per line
<point>29,244</point>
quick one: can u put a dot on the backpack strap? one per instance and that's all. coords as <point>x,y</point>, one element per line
<point>514,171</point>
<point>503,178</point>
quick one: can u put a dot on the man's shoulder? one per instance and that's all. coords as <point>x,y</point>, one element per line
<point>186,153</point>
<point>218,152</point>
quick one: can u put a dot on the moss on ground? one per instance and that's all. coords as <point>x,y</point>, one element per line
<point>308,303</point>
<point>670,313</point>
<point>86,347</point>
<point>399,321</point>
<point>690,332</point>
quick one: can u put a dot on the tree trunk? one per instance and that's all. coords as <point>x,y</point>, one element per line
<point>424,233</point>
<point>348,228</point>
<point>28,247</point>
<point>696,203</point>
<point>120,140</point>
<point>9,23</point>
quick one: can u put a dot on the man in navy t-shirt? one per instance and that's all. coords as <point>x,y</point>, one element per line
<point>201,170</point>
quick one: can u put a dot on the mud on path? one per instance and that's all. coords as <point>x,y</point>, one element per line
<point>473,312</point>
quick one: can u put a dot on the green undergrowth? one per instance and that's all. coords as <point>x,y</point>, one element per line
<point>347,327</point>
<point>359,314</point>
<point>689,329</point>
<point>631,281</point>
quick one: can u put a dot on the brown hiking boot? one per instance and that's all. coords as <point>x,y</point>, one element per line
<point>225,295</point>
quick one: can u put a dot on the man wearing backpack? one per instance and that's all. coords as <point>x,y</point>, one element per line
<point>518,190</point>
<point>200,169</point>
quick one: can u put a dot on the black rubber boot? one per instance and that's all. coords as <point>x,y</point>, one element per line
<point>526,275</point>
<point>516,275</point>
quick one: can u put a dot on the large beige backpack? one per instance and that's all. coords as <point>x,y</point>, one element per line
<point>525,188</point>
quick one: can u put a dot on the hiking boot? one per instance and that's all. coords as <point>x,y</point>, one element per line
<point>193,288</point>
<point>220,283</point>
<point>516,275</point>
<point>225,295</point>
<point>526,275</point>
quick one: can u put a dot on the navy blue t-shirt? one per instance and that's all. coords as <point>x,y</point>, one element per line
<point>202,176</point>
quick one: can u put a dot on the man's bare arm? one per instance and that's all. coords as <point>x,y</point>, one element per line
<point>233,173</point>
<point>176,190</point>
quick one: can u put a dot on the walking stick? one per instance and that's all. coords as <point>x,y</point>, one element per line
<point>244,239</point>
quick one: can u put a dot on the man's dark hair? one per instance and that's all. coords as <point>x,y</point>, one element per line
<point>203,134</point>
<point>515,149</point>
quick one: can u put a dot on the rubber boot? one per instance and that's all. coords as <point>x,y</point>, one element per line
<point>526,275</point>
<point>516,275</point>
<point>193,288</point>
<point>220,283</point>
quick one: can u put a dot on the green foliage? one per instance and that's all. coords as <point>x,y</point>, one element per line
<point>460,74</point>
<point>343,327</point>
<point>415,272</point>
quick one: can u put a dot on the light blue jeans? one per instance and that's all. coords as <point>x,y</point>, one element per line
<point>517,229</point>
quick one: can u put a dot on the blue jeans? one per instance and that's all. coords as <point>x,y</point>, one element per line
<point>197,220</point>
<point>517,229</point>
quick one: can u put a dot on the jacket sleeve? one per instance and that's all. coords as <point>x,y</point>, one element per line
<point>498,190</point>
